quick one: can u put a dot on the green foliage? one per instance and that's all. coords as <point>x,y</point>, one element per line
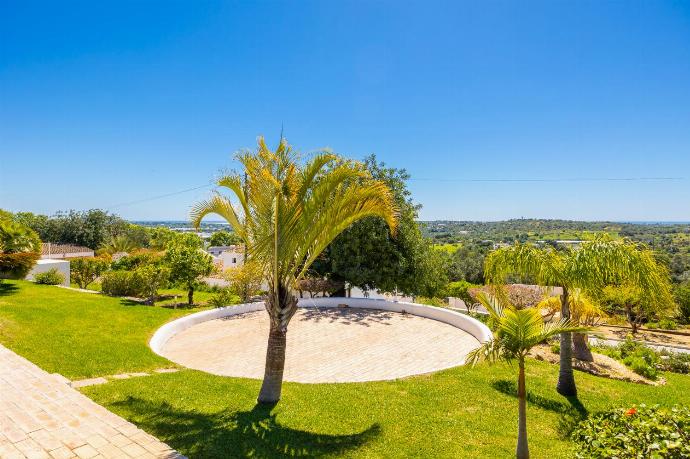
<point>682,294</point>
<point>641,359</point>
<point>121,243</point>
<point>224,238</point>
<point>468,263</point>
<point>119,283</point>
<point>637,432</point>
<point>84,271</point>
<point>460,289</point>
<point>137,259</point>
<point>245,280</point>
<point>368,256</point>
<point>223,297</point>
<point>20,249</point>
<point>663,324</point>
<point>188,262</point>
<point>50,277</point>
<point>675,362</point>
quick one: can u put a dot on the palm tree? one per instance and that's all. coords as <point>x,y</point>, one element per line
<point>597,263</point>
<point>516,332</point>
<point>287,214</point>
<point>118,244</point>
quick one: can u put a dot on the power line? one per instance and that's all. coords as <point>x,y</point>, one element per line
<point>466,180</point>
<point>574,179</point>
<point>153,198</point>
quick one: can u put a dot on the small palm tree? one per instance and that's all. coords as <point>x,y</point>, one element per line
<point>516,332</point>
<point>597,263</point>
<point>288,213</point>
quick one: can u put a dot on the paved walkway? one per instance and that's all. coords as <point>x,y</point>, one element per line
<point>325,345</point>
<point>41,416</point>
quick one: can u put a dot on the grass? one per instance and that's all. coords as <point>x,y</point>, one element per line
<point>79,335</point>
<point>461,412</point>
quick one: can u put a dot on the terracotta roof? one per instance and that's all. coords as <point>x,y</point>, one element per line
<point>56,249</point>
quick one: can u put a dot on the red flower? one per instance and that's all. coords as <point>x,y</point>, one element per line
<point>630,412</point>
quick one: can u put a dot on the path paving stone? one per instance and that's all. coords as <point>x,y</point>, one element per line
<point>42,417</point>
<point>325,345</point>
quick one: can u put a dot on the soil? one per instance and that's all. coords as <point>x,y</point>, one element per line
<point>602,366</point>
<point>652,336</point>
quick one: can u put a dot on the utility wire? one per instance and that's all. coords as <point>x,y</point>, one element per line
<point>459,180</point>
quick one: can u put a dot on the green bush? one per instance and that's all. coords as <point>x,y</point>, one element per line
<point>223,297</point>
<point>639,358</point>
<point>85,270</point>
<point>675,362</point>
<point>638,432</point>
<point>50,277</point>
<point>663,324</point>
<point>20,249</point>
<point>119,283</point>
<point>136,260</point>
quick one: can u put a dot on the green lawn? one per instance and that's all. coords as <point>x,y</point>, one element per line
<point>79,335</point>
<point>462,412</point>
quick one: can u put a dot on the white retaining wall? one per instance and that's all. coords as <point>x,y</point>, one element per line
<point>472,326</point>
<point>44,265</point>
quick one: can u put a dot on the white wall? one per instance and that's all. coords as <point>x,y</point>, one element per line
<point>45,265</point>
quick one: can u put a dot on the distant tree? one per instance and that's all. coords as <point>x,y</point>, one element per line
<point>188,263</point>
<point>220,238</point>
<point>468,263</point>
<point>682,294</point>
<point>159,238</point>
<point>84,271</point>
<point>20,249</point>
<point>245,280</point>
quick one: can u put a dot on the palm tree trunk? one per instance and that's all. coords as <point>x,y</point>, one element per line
<point>522,451</point>
<point>281,307</point>
<point>581,349</point>
<point>566,378</point>
<point>275,364</point>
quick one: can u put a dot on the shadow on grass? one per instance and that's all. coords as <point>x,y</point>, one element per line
<point>7,289</point>
<point>255,433</point>
<point>572,411</point>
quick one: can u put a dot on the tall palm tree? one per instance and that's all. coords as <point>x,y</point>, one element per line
<point>597,263</point>
<point>287,214</point>
<point>516,332</point>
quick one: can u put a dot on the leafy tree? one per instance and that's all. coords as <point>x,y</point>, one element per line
<point>86,270</point>
<point>516,332</point>
<point>468,263</point>
<point>368,256</point>
<point>150,279</point>
<point>288,214</point>
<point>597,263</point>
<point>245,280</point>
<point>188,263</point>
<point>159,238</point>
<point>682,294</point>
<point>224,238</point>
<point>20,249</point>
<point>316,285</point>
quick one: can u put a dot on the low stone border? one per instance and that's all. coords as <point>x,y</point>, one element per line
<point>464,322</point>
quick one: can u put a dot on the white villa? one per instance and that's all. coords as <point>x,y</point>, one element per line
<point>230,256</point>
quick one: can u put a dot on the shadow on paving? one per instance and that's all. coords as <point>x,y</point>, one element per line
<point>7,289</point>
<point>254,433</point>
<point>572,411</point>
<point>347,316</point>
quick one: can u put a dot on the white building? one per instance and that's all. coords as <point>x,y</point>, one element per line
<point>230,256</point>
<point>45,265</point>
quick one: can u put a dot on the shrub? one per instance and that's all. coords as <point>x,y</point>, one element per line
<point>119,283</point>
<point>20,249</point>
<point>223,297</point>
<point>636,356</point>
<point>136,260</point>
<point>675,362</point>
<point>637,432</point>
<point>50,277</point>
<point>682,294</point>
<point>86,270</point>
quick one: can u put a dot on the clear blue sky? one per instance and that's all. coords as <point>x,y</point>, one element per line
<point>103,104</point>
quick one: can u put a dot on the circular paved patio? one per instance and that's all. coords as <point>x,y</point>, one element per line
<point>324,345</point>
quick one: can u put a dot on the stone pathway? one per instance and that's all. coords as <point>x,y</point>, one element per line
<point>42,417</point>
<point>325,345</point>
